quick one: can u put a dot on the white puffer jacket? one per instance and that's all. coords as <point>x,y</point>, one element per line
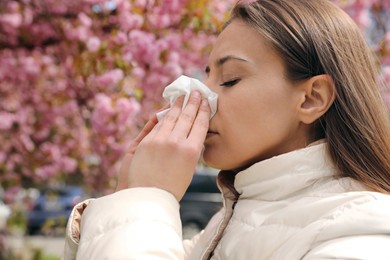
<point>289,207</point>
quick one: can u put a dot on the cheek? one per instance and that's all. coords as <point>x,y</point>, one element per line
<point>242,117</point>
<point>235,143</point>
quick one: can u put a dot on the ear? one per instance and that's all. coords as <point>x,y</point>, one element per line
<point>318,94</point>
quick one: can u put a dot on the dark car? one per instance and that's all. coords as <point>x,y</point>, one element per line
<point>53,207</point>
<point>200,202</point>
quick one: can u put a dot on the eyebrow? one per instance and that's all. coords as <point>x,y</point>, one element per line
<point>225,59</point>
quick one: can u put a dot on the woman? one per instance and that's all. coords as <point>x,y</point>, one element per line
<point>302,138</point>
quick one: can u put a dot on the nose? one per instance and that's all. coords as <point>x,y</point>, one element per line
<point>211,85</point>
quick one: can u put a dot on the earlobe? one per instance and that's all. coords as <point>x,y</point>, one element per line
<point>319,95</point>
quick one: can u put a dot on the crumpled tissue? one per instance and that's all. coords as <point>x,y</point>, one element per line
<point>183,86</point>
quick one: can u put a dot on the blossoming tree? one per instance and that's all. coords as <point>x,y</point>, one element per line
<point>74,75</point>
<point>79,77</point>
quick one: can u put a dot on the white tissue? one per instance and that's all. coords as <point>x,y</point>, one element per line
<point>183,86</point>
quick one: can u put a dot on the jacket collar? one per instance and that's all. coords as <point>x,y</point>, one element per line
<point>283,175</point>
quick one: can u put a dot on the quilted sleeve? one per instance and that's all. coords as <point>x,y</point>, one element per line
<point>137,223</point>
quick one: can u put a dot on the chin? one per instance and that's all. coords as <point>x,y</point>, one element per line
<point>215,162</point>
<point>208,163</point>
<point>220,159</point>
<point>209,160</point>
<point>219,162</point>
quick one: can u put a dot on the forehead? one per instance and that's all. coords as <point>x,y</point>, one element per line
<point>239,39</point>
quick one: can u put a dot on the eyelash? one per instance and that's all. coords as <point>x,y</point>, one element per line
<point>230,83</point>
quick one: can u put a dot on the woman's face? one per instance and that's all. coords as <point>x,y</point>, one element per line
<point>257,106</point>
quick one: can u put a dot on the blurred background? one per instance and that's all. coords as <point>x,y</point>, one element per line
<point>79,78</point>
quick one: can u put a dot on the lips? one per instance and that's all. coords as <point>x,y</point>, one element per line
<point>211,133</point>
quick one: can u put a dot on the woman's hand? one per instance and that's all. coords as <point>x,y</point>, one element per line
<point>165,154</point>
<point>126,161</point>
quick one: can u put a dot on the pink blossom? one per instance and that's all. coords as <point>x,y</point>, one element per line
<point>30,65</point>
<point>41,134</point>
<point>6,120</point>
<point>387,40</point>
<point>68,164</point>
<point>128,56</point>
<point>174,57</point>
<point>46,172</point>
<point>160,20</point>
<point>141,3</point>
<point>93,44</point>
<point>27,142</point>
<point>111,77</point>
<point>173,69</point>
<point>139,72</point>
<point>79,33</point>
<point>103,115</point>
<point>128,23</point>
<point>12,6</point>
<point>386,59</point>
<point>123,5</point>
<point>85,20</point>
<point>42,31</point>
<point>104,105</point>
<point>127,109</point>
<point>143,46</point>
<point>386,73</point>
<point>14,19</point>
<point>363,19</point>
<point>28,16</point>
<point>82,33</point>
<point>51,150</point>
<point>121,38</point>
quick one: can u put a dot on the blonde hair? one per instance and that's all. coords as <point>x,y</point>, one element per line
<point>314,38</point>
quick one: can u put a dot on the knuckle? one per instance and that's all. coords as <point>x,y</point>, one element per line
<point>170,117</point>
<point>205,107</point>
<point>187,117</point>
<point>179,102</point>
<point>195,99</point>
<point>172,144</point>
<point>205,111</point>
<point>192,151</point>
<point>203,123</point>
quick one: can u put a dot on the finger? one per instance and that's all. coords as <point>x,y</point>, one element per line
<point>153,116</point>
<point>122,181</point>
<point>163,108</point>
<point>201,125</point>
<point>145,131</point>
<point>165,126</point>
<point>187,117</point>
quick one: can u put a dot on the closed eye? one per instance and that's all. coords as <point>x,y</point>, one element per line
<point>230,83</point>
